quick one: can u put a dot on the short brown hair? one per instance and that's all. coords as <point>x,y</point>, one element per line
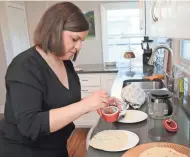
<point>59,17</point>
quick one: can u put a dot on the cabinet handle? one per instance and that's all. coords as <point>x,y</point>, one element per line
<point>84,80</point>
<point>84,90</point>
<point>155,19</point>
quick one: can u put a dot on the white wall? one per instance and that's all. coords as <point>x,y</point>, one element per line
<point>4,45</point>
<point>5,32</point>
<point>3,68</point>
<point>33,17</point>
<point>91,52</point>
<point>6,51</point>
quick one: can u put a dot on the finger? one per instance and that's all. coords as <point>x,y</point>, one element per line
<point>112,100</point>
<point>105,100</point>
<point>103,104</point>
<point>99,111</point>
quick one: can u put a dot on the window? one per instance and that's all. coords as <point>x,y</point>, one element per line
<point>185,49</point>
<point>121,28</point>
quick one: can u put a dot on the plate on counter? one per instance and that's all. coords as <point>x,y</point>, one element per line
<point>114,140</point>
<point>132,116</point>
<point>158,149</point>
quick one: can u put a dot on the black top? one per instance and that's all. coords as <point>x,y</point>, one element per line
<point>32,90</point>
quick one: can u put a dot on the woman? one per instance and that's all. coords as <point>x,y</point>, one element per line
<point>43,90</point>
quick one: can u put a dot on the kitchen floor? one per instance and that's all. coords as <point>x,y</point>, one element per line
<point>77,143</point>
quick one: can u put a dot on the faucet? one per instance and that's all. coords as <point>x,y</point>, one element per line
<point>169,78</point>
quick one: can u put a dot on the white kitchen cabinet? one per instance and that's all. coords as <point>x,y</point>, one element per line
<point>86,91</point>
<point>87,120</point>
<point>107,81</point>
<point>168,18</point>
<point>90,83</point>
<point>90,80</point>
<point>94,82</point>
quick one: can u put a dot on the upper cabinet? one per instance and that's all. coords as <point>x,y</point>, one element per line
<point>168,18</point>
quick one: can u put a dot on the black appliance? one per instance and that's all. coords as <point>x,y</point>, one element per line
<point>147,51</point>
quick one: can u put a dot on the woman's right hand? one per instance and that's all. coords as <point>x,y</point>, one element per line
<point>96,101</point>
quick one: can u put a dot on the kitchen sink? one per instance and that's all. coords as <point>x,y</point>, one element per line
<point>145,84</point>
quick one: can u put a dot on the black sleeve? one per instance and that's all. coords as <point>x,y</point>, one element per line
<point>26,102</point>
<point>25,90</point>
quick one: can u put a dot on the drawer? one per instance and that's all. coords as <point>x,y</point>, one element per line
<point>90,89</point>
<point>86,91</point>
<point>90,81</point>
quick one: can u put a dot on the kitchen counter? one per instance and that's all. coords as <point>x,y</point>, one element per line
<point>95,68</point>
<point>149,130</point>
<point>100,68</point>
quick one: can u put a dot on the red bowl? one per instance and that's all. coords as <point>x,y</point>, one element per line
<point>110,113</point>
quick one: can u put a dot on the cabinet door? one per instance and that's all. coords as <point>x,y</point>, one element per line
<point>87,80</point>
<point>107,81</point>
<point>17,27</point>
<point>168,18</point>
<point>87,120</point>
<point>175,17</point>
<point>182,15</point>
<point>155,19</point>
<point>86,91</point>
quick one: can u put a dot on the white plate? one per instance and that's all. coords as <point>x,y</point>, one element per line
<point>133,116</point>
<point>132,141</point>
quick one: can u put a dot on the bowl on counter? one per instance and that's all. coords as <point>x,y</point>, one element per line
<point>109,114</point>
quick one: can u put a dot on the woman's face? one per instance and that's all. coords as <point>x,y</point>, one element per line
<point>72,43</point>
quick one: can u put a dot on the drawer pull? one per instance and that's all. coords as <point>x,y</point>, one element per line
<point>84,80</point>
<point>84,90</point>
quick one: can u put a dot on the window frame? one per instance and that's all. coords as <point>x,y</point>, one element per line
<point>181,49</point>
<point>117,5</point>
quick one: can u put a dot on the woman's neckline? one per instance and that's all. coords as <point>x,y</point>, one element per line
<point>49,67</point>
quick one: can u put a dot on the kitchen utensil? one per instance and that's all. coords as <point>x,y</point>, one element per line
<point>147,50</point>
<point>132,140</point>
<point>170,125</point>
<point>122,104</point>
<point>132,116</point>
<point>136,151</point>
<point>160,106</point>
<point>121,116</point>
<point>153,77</point>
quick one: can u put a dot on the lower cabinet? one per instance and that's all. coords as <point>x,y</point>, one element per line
<point>89,84</point>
